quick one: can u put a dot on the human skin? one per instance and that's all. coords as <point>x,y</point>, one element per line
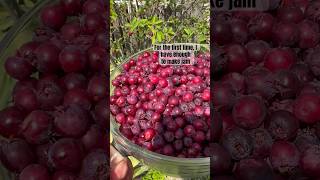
<point>121,167</point>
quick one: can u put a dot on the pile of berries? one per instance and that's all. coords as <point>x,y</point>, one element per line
<point>164,108</point>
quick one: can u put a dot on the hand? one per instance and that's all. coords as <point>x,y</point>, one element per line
<point>121,167</point>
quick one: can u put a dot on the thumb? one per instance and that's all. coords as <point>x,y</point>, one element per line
<point>121,167</point>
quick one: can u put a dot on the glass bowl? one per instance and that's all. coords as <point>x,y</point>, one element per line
<point>20,33</point>
<point>172,166</point>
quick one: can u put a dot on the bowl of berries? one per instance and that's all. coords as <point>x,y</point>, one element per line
<point>52,86</point>
<point>160,114</point>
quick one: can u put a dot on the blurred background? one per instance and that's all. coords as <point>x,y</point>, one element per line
<point>135,25</point>
<point>11,10</point>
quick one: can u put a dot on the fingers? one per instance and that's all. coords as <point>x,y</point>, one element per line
<point>121,167</point>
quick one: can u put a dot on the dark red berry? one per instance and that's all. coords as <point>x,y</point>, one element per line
<point>47,57</point>
<point>149,134</point>
<point>221,160</point>
<point>282,125</point>
<point>11,119</point>
<point>18,68</point>
<point>238,143</point>
<point>66,154</point>
<point>257,50</point>
<point>49,93</point>
<point>223,95</point>
<point>222,33</point>
<point>249,112</point>
<point>34,172</point>
<point>72,59</point>
<point>94,22</point>
<point>74,81</point>
<point>168,150</point>
<point>97,87</point>
<point>36,127</point>
<point>71,7</point>
<point>71,121</point>
<point>92,6</point>
<point>70,30</point>
<point>94,138</point>
<point>284,156</point>
<point>310,161</point>
<point>253,169</point>
<point>189,131</point>
<point>261,26</point>
<point>95,165</point>
<point>291,14</point>
<point>278,59</point>
<point>96,58</point>
<point>63,175</point>
<point>16,155</point>
<point>308,34</point>
<point>77,96</point>
<point>262,142</point>
<point>307,108</point>
<point>53,16</point>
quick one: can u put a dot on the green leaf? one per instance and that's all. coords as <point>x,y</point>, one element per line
<point>155,21</point>
<point>1,35</point>
<point>153,39</point>
<point>140,171</point>
<point>134,24</point>
<point>160,36</point>
<point>203,38</point>
<point>188,31</point>
<point>134,161</point>
<point>143,22</point>
<point>4,13</point>
<point>154,175</point>
<point>152,30</point>
<point>28,3</point>
<point>170,30</point>
<point>6,22</point>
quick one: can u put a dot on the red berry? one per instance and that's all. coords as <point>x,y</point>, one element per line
<point>66,154</point>
<point>71,7</point>
<point>310,161</point>
<point>11,119</point>
<point>284,156</point>
<point>18,68</point>
<point>187,97</point>
<point>72,59</point>
<point>53,16</point>
<point>278,59</point>
<point>206,95</point>
<point>70,31</point>
<point>307,108</point>
<point>249,112</point>
<point>34,171</point>
<point>149,134</point>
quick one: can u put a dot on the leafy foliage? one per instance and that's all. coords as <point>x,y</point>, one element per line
<point>154,175</point>
<point>11,10</point>
<point>136,25</point>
